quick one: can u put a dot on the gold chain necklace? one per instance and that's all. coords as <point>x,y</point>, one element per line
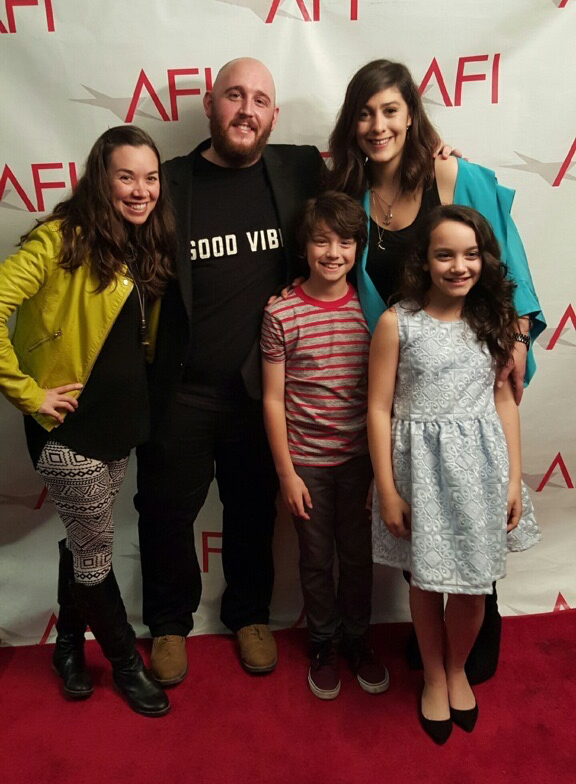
<point>388,215</point>
<point>385,219</point>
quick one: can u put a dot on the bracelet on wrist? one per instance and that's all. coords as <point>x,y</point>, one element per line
<point>519,337</point>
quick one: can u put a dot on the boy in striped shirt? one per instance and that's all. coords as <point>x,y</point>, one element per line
<point>315,347</point>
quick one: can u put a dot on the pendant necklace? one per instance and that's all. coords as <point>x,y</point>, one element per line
<point>141,300</point>
<point>387,215</point>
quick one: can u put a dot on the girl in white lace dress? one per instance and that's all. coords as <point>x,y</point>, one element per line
<point>445,446</point>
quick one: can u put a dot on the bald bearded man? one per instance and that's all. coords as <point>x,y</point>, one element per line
<point>236,198</point>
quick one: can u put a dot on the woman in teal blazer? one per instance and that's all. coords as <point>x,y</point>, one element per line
<point>384,152</point>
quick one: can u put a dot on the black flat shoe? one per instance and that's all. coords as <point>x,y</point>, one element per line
<point>439,731</point>
<point>465,719</point>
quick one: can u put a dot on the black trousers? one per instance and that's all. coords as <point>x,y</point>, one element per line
<point>338,521</point>
<point>174,475</point>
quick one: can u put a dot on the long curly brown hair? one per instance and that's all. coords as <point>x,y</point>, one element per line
<point>488,307</point>
<point>93,231</point>
<point>349,173</point>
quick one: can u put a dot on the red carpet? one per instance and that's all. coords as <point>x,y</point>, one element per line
<point>228,727</point>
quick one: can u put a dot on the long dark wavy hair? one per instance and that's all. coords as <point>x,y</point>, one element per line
<point>94,232</point>
<point>488,307</point>
<point>349,173</point>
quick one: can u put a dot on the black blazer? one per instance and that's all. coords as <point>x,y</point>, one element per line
<point>295,174</point>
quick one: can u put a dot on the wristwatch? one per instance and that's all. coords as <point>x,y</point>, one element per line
<point>519,337</point>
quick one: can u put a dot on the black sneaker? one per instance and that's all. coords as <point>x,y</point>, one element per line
<point>323,677</point>
<point>370,673</point>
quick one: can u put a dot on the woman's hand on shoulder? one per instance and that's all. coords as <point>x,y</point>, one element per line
<point>58,399</point>
<point>396,514</point>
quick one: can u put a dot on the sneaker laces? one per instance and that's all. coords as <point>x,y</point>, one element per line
<point>360,653</point>
<point>327,655</point>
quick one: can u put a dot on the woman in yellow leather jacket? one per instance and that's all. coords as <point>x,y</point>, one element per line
<point>85,283</point>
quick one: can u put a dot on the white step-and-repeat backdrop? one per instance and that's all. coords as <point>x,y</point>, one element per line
<point>498,79</point>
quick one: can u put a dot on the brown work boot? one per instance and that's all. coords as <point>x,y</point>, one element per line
<point>168,663</point>
<point>258,652</point>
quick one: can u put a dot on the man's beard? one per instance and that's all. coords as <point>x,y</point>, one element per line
<point>237,155</point>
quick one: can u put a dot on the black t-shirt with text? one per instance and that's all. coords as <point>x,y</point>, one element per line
<point>235,251</point>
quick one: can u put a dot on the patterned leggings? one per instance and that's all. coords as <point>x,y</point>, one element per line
<point>84,491</point>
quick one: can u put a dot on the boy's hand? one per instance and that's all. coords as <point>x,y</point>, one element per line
<point>296,496</point>
<point>514,505</point>
<point>396,515</point>
<point>286,290</point>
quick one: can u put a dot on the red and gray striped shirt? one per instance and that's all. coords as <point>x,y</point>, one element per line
<point>324,346</point>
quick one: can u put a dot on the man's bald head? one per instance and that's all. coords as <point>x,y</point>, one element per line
<point>242,111</point>
<point>246,68</point>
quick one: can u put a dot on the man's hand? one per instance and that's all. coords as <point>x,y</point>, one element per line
<point>445,151</point>
<point>285,291</point>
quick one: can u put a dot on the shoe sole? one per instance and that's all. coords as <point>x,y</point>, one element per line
<point>73,695</point>
<point>169,681</point>
<point>323,694</point>
<point>259,669</point>
<point>375,688</point>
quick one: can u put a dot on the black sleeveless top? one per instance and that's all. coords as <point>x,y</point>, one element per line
<point>385,266</point>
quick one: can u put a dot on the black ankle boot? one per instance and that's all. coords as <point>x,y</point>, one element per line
<point>104,609</point>
<point>68,657</point>
<point>139,689</point>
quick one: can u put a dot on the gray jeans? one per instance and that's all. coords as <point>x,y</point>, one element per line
<point>338,522</point>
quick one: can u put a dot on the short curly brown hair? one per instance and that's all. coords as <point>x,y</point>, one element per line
<point>339,213</point>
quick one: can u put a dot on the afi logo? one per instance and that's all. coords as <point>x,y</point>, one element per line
<point>561,604</point>
<point>565,165</point>
<point>172,74</point>
<point>490,72</point>
<point>10,5</point>
<point>353,5</point>
<point>206,549</point>
<point>558,462</point>
<point>569,315</point>
<point>39,184</point>
<point>561,3</point>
